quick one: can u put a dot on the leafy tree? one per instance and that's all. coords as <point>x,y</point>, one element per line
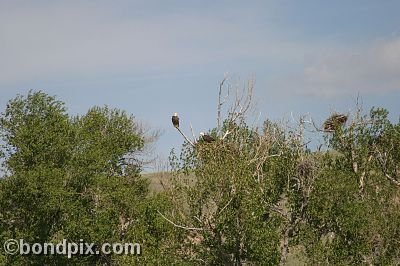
<point>353,215</point>
<point>255,196</point>
<point>226,192</point>
<point>223,204</point>
<point>75,178</point>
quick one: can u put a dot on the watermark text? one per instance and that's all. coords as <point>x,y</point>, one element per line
<point>70,249</point>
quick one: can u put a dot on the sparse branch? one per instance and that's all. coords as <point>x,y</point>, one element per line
<point>193,134</point>
<point>242,102</point>
<point>226,134</point>
<point>382,159</point>
<point>226,206</point>
<point>221,101</point>
<point>363,174</point>
<point>392,179</point>
<point>280,212</point>
<point>315,126</point>
<point>180,226</point>
<point>186,138</point>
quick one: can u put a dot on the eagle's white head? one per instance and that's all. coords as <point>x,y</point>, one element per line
<point>202,134</point>
<point>175,114</point>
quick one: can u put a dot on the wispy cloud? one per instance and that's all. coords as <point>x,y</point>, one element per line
<point>47,41</point>
<point>365,69</point>
<point>70,40</point>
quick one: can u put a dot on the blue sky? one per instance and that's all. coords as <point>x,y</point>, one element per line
<point>153,58</point>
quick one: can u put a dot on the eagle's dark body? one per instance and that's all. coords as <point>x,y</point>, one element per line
<point>175,120</point>
<point>207,138</point>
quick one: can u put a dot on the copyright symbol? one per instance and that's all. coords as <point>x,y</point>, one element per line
<point>11,247</point>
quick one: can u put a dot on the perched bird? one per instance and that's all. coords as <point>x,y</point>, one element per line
<point>334,121</point>
<point>205,137</point>
<point>175,120</point>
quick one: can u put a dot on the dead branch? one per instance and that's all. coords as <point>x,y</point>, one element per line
<point>221,101</point>
<point>362,177</point>
<point>193,134</point>
<point>354,162</point>
<point>186,138</point>
<point>226,134</point>
<point>226,206</point>
<point>392,179</point>
<point>280,212</point>
<point>242,102</point>
<point>382,161</point>
<point>180,226</point>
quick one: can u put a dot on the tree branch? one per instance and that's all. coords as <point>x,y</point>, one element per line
<point>180,226</point>
<point>220,102</point>
<point>186,138</point>
<point>392,179</point>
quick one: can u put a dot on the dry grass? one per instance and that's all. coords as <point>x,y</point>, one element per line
<point>158,180</point>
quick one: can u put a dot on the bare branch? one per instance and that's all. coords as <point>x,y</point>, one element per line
<point>226,206</point>
<point>242,102</point>
<point>186,138</point>
<point>220,102</point>
<point>193,134</point>
<point>280,211</point>
<point>180,226</point>
<point>382,159</point>
<point>392,179</point>
<point>362,177</point>
<point>226,134</point>
<point>198,219</point>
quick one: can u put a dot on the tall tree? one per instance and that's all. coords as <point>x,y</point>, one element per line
<point>74,178</point>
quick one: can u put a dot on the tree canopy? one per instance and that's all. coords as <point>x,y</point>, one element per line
<point>257,195</point>
<point>74,178</point>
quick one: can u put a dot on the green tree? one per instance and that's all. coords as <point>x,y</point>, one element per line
<point>75,178</point>
<point>223,204</point>
<point>253,196</point>
<point>354,210</point>
<point>258,196</point>
<point>226,193</point>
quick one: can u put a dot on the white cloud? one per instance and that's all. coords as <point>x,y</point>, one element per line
<point>370,69</point>
<point>49,41</point>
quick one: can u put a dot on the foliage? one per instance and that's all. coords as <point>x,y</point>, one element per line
<point>355,201</point>
<point>227,189</point>
<point>75,178</point>
<point>251,197</point>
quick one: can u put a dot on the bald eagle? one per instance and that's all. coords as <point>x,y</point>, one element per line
<point>205,137</point>
<point>175,120</point>
<point>334,121</point>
